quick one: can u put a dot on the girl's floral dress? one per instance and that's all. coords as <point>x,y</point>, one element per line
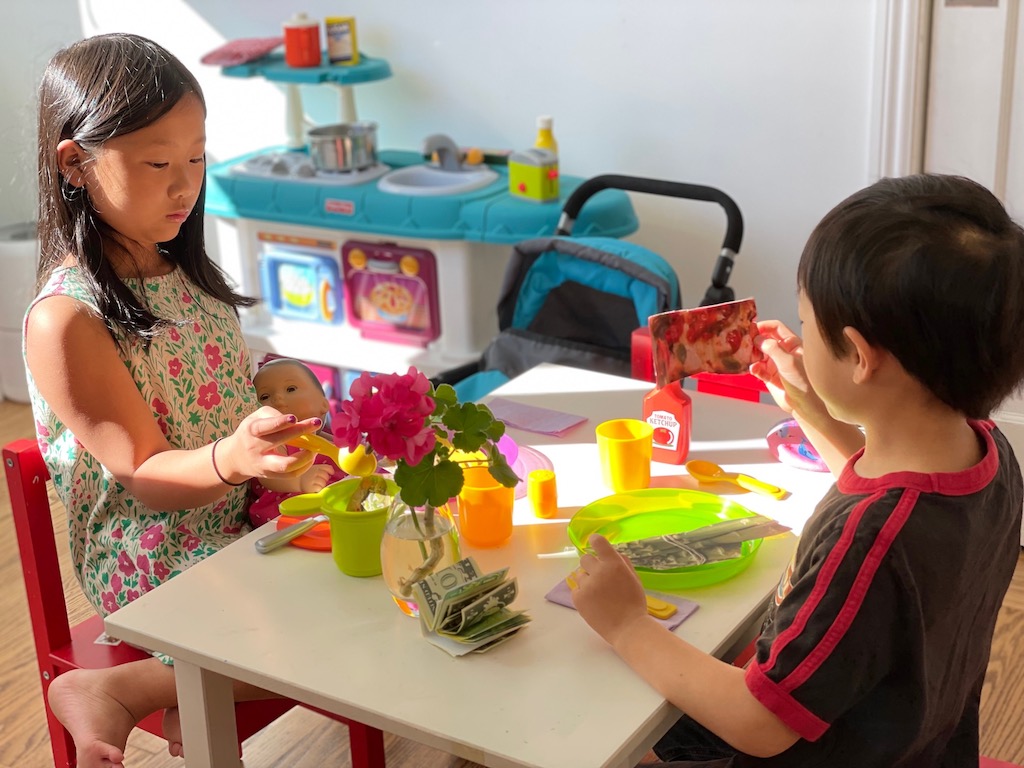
<point>196,377</point>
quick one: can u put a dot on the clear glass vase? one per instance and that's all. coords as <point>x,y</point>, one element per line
<point>417,542</point>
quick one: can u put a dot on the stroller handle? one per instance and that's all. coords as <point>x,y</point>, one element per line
<point>590,187</point>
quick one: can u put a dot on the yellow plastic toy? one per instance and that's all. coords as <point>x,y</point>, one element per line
<point>357,462</point>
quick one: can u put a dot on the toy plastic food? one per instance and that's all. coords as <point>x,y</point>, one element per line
<point>714,339</point>
<point>358,462</point>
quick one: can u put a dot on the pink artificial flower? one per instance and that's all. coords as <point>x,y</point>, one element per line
<point>393,412</point>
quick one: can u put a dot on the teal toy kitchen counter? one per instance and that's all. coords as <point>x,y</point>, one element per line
<point>488,215</point>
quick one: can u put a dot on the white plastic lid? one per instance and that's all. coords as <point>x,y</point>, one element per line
<point>300,19</point>
<point>545,121</point>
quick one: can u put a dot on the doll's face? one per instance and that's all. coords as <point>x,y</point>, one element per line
<point>290,389</point>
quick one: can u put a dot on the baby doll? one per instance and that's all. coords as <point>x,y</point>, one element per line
<point>291,387</point>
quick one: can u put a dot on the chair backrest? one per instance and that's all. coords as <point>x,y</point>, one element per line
<point>27,477</point>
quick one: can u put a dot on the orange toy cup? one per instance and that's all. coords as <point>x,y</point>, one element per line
<point>485,509</point>
<point>625,447</point>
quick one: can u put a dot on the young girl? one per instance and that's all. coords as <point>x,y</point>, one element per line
<point>139,376</point>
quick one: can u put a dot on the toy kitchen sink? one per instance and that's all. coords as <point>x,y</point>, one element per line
<point>389,266</point>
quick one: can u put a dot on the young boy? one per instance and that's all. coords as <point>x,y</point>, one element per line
<point>873,654</point>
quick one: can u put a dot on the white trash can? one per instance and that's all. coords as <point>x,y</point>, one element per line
<point>19,255</point>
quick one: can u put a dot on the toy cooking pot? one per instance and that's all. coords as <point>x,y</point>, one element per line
<point>355,535</point>
<point>343,147</point>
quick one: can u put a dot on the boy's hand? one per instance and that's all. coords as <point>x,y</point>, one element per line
<point>782,369</point>
<point>607,592</point>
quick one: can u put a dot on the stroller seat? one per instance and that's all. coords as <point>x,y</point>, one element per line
<point>577,301</point>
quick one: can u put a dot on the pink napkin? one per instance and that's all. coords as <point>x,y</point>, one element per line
<point>560,594</point>
<point>532,418</point>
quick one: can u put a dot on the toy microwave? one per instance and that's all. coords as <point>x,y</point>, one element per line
<point>300,279</point>
<point>391,292</point>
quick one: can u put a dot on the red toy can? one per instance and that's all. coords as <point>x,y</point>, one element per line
<point>302,41</point>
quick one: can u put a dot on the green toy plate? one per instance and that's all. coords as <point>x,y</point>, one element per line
<point>650,512</point>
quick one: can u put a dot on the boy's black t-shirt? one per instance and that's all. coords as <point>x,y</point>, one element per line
<point>877,644</point>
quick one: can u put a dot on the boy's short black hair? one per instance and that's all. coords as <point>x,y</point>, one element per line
<point>931,268</point>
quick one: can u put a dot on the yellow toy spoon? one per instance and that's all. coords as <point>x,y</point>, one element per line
<point>709,472</point>
<point>357,462</point>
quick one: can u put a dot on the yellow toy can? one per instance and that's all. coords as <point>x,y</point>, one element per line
<point>341,40</point>
<point>533,175</point>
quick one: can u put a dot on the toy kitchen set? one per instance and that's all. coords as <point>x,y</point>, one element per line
<point>368,260</point>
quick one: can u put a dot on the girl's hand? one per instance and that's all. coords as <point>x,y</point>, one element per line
<point>316,478</point>
<point>607,592</point>
<point>252,451</point>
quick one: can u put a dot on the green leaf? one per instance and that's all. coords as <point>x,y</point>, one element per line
<point>428,482</point>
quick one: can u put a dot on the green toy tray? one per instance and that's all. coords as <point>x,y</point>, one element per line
<point>650,512</point>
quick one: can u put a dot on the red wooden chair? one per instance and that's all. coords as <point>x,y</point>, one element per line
<point>61,647</point>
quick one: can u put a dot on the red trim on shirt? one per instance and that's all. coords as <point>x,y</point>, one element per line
<point>777,696</point>
<point>971,480</point>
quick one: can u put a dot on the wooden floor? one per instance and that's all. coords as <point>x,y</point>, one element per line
<point>302,739</point>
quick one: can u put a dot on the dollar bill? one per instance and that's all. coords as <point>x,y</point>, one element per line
<point>492,626</point>
<point>709,544</point>
<point>432,591</point>
<point>462,610</point>
<point>478,607</point>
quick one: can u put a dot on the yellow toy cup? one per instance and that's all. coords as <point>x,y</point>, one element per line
<point>624,447</point>
<point>485,509</point>
<point>542,492</point>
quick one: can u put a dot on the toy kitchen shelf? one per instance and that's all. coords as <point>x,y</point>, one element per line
<point>264,210</point>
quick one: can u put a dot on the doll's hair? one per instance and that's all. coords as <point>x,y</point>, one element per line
<point>931,268</point>
<point>94,90</point>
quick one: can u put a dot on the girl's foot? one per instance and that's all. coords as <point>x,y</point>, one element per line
<point>172,732</point>
<point>98,723</point>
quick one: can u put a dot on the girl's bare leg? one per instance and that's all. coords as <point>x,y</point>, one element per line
<point>100,707</point>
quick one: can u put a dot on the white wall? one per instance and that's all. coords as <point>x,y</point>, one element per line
<point>976,114</point>
<point>772,102</point>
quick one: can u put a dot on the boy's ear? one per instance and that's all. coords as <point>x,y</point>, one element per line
<point>70,158</point>
<point>866,358</point>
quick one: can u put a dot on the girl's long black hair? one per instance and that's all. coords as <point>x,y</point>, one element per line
<point>93,91</point>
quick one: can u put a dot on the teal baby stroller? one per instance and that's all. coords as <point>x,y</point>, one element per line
<point>577,301</point>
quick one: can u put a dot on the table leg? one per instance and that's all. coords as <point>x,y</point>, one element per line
<point>206,704</point>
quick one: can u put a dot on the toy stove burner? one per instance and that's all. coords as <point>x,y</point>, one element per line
<point>298,166</point>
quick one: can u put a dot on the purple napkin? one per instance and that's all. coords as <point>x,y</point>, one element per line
<point>533,418</point>
<point>560,594</point>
